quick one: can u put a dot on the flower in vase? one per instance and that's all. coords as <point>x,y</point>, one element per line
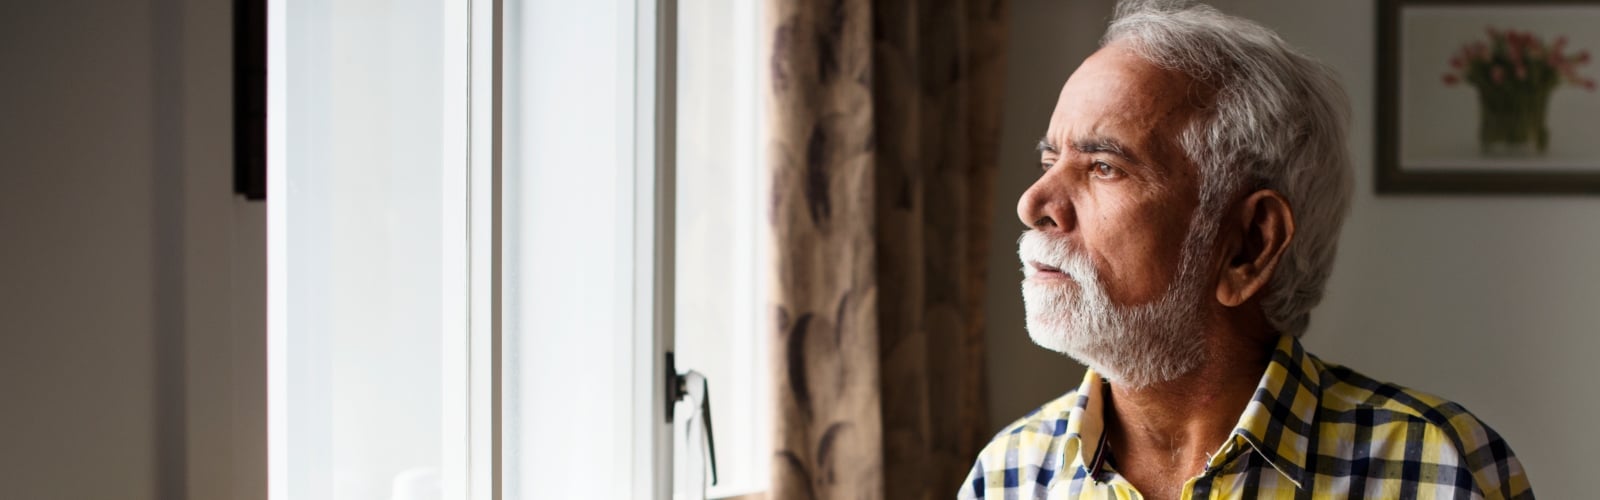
<point>1514,72</point>
<point>1524,57</point>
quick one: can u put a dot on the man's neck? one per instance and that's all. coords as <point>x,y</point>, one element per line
<point>1161,435</point>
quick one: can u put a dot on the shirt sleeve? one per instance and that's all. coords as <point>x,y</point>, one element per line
<point>1495,470</point>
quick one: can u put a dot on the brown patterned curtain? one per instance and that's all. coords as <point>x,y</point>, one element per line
<point>884,120</point>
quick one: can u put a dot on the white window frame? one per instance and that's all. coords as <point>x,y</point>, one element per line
<point>655,144</point>
<point>471,362</point>
<point>483,358</point>
<point>472,465</point>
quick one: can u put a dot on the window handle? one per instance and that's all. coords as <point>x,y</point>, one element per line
<point>693,385</point>
<point>697,389</point>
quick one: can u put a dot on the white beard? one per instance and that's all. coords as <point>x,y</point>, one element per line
<point>1133,346</point>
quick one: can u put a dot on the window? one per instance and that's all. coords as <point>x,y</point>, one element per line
<point>720,293</point>
<point>583,373</point>
<point>490,222</point>
<point>368,235</point>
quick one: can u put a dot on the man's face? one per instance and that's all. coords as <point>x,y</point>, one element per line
<point>1114,208</point>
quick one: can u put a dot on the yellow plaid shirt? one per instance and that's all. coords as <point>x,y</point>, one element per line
<point>1312,430</point>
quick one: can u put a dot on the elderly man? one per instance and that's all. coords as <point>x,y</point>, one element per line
<point>1193,180</point>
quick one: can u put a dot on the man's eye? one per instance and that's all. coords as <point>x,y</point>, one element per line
<point>1044,165</point>
<point>1104,170</point>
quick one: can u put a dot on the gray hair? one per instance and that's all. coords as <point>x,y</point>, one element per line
<point>1277,122</point>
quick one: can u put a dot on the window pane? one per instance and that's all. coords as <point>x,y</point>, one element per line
<point>369,250</point>
<point>719,265</point>
<point>574,402</point>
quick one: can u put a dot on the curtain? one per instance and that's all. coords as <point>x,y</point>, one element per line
<point>883,128</point>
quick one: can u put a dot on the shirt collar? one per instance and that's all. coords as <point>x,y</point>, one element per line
<point>1085,428</point>
<point>1277,423</point>
<point>1279,420</point>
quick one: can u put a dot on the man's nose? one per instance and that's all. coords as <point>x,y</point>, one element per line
<point>1046,206</point>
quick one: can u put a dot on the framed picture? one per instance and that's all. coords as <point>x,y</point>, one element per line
<point>1481,96</point>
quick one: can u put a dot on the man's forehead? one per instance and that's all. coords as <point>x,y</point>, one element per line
<point>1116,94</point>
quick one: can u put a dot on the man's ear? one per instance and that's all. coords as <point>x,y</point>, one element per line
<point>1263,228</point>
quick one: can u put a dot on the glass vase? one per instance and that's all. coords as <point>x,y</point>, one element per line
<point>1512,121</point>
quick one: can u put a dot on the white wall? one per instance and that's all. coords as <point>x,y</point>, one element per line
<point>1488,301</point>
<point>1048,40</point>
<point>118,260</point>
<point>1493,302</point>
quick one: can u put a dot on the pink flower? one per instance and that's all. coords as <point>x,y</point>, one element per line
<point>1510,55</point>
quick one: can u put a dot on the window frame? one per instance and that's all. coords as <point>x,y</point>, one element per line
<point>474,367</point>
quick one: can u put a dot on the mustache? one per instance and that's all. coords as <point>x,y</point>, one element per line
<point>1041,251</point>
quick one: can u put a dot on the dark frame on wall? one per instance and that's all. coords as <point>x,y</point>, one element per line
<point>1392,176</point>
<point>250,99</point>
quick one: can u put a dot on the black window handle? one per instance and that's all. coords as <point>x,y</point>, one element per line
<point>693,385</point>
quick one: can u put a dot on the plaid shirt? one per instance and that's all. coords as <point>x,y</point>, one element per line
<point>1313,430</point>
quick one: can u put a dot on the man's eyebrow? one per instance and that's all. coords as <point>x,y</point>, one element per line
<point>1096,144</point>
<point>1092,145</point>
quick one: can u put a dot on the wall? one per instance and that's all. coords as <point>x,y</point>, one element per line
<point>78,217</point>
<point>118,266</point>
<point>1048,40</point>
<point>1488,301</point>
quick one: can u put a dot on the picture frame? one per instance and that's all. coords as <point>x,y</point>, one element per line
<point>1488,97</point>
<point>250,99</point>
